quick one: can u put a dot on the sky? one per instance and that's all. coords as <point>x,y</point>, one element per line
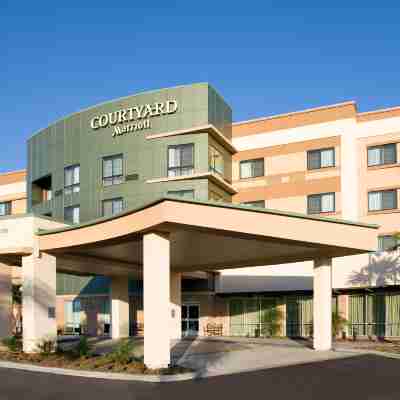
<point>264,57</point>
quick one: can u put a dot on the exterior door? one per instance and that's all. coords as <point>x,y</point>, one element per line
<point>190,319</point>
<point>72,318</point>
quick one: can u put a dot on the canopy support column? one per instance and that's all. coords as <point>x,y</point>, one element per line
<point>156,300</point>
<point>176,305</point>
<point>119,307</point>
<point>322,325</point>
<point>38,301</point>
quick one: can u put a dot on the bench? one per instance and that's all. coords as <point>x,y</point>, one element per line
<point>212,329</point>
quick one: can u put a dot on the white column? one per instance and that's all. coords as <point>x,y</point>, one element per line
<point>5,301</point>
<point>38,300</point>
<point>156,300</point>
<point>119,307</point>
<point>322,325</point>
<point>176,305</point>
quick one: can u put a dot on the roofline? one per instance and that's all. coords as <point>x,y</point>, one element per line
<point>307,110</point>
<point>17,171</point>
<point>112,101</point>
<point>381,110</point>
<point>205,203</point>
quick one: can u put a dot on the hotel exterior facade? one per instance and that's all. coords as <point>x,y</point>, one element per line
<point>329,164</point>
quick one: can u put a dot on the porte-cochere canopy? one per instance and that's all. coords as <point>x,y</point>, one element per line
<point>165,238</point>
<point>209,235</point>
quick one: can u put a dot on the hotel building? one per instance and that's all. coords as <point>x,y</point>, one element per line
<point>326,165</point>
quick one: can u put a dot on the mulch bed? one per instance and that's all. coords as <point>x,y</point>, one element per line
<point>388,347</point>
<point>90,363</point>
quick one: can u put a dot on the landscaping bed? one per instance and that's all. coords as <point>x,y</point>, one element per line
<point>119,360</point>
<point>371,344</point>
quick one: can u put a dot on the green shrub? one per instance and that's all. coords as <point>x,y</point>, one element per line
<point>272,319</point>
<point>83,347</point>
<point>47,346</point>
<point>122,354</point>
<point>338,323</point>
<point>12,343</point>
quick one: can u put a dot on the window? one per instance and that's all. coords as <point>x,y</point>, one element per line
<point>47,194</point>
<point>322,158</point>
<point>382,200</point>
<point>181,159</point>
<point>381,155</point>
<point>214,196</point>
<point>257,203</point>
<point>215,160</point>
<point>71,180</point>
<point>71,214</point>
<point>5,208</point>
<point>251,168</point>
<point>387,242</point>
<point>321,203</point>
<point>186,194</point>
<point>112,170</point>
<point>112,206</point>
<point>41,190</point>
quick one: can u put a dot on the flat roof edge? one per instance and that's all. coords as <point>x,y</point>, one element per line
<point>288,114</point>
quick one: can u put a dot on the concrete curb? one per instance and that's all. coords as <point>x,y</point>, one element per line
<point>366,351</point>
<point>100,375</point>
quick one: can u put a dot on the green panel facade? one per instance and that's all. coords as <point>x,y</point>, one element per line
<point>80,140</point>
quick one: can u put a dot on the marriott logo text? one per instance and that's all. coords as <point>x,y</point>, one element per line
<point>134,113</point>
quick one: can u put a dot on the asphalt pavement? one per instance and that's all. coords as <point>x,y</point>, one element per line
<point>366,377</point>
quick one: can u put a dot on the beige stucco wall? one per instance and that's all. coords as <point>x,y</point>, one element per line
<point>17,232</point>
<point>379,178</point>
<point>15,192</point>
<point>375,270</point>
<point>293,276</point>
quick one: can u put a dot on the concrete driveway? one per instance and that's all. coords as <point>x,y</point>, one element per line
<point>223,356</point>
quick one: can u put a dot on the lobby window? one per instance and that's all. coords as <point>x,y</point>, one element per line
<point>321,158</point>
<point>186,194</point>
<point>382,200</point>
<point>112,206</point>
<point>321,203</point>
<point>71,214</point>
<point>215,160</point>
<point>257,203</point>
<point>388,243</point>
<point>113,170</point>
<point>181,159</point>
<point>252,168</point>
<point>5,208</point>
<point>71,179</point>
<point>381,155</point>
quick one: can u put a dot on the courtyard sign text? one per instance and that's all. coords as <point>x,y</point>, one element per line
<point>133,118</point>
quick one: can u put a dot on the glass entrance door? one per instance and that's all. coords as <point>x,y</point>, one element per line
<point>190,319</point>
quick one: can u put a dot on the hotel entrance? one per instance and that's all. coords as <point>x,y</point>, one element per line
<point>190,320</point>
